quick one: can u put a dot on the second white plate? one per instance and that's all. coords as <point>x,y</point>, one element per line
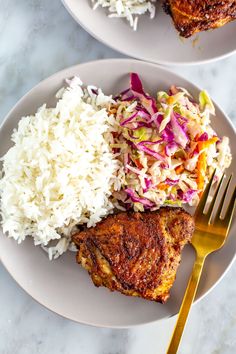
<point>156,40</point>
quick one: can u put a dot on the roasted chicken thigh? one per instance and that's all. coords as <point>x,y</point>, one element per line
<point>136,253</point>
<point>193,16</point>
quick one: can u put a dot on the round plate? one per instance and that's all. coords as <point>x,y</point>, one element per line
<point>62,285</point>
<point>155,40</point>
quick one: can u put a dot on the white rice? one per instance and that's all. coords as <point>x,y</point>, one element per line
<point>128,9</point>
<point>60,171</point>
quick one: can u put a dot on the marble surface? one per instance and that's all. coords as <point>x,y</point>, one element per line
<point>38,38</point>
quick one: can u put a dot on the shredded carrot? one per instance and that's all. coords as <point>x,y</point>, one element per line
<point>179,169</point>
<point>112,110</point>
<point>138,163</point>
<point>162,186</point>
<point>205,144</point>
<point>201,169</point>
<point>202,161</point>
<point>170,100</point>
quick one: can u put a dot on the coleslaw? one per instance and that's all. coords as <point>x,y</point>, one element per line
<point>166,145</point>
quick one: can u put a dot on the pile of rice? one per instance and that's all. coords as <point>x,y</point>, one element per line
<point>128,9</point>
<point>61,170</point>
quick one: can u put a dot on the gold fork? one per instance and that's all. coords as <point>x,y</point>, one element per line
<point>210,235</point>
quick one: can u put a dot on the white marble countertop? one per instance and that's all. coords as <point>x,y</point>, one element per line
<point>38,38</point>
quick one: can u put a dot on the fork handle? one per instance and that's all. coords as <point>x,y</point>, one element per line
<point>186,304</point>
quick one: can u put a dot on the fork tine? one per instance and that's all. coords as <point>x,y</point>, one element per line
<point>213,202</point>
<point>204,197</point>
<point>230,211</point>
<point>220,207</point>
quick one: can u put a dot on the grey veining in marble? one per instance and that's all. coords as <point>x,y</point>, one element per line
<point>38,38</point>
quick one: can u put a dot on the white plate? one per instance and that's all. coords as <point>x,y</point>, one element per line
<point>156,40</point>
<point>62,285</point>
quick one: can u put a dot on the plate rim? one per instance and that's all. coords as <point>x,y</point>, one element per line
<point>79,66</point>
<point>159,62</point>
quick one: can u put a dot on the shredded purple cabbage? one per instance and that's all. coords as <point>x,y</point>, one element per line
<point>171,148</point>
<point>147,142</point>
<point>128,120</point>
<point>144,201</point>
<point>181,136</point>
<point>171,182</point>
<point>140,125</point>
<point>187,196</point>
<point>203,137</point>
<point>147,101</point>
<point>148,184</point>
<point>167,134</point>
<point>150,152</point>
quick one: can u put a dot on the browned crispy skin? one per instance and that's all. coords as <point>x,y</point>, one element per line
<point>136,253</point>
<point>192,16</point>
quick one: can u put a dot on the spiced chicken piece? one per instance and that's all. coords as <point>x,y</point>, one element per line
<point>136,253</point>
<point>193,16</point>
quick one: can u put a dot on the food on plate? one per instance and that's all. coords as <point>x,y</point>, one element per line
<point>136,253</point>
<point>60,171</point>
<point>190,17</point>
<point>128,9</point>
<point>92,153</point>
<point>166,145</point>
